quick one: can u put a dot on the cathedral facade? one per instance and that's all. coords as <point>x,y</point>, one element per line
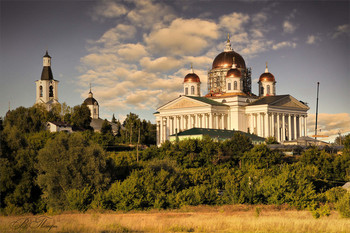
<point>231,105</point>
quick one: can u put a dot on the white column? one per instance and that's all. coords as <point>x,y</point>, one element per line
<point>300,125</point>
<point>278,128</point>
<point>217,121</point>
<point>305,126</point>
<point>295,126</point>
<point>158,133</point>
<point>251,123</point>
<point>289,127</point>
<point>274,125</point>
<point>266,127</point>
<point>222,121</point>
<point>259,124</point>
<point>210,120</point>
<point>283,127</point>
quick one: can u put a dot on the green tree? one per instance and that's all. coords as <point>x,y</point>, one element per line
<point>131,124</point>
<point>113,119</point>
<point>234,148</point>
<point>261,157</point>
<point>106,128</point>
<point>80,118</point>
<point>70,161</point>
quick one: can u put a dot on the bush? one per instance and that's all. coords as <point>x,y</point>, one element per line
<point>334,194</point>
<point>79,199</point>
<point>343,206</point>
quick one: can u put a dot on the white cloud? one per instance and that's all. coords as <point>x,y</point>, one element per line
<point>162,64</point>
<point>342,30</point>
<point>284,44</point>
<point>234,22</point>
<point>117,34</point>
<point>288,27</point>
<point>329,124</point>
<point>109,9</point>
<point>182,37</point>
<point>132,52</point>
<point>150,14</point>
<point>312,39</point>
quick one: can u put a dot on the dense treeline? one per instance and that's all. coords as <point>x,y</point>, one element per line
<point>42,171</point>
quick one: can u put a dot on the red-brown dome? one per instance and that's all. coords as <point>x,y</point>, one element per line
<point>225,60</point>
<point>191,78</point>
<point>267,77</point>
<point>234,73</point>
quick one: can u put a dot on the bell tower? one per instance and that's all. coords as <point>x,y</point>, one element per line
<point>46,87</point>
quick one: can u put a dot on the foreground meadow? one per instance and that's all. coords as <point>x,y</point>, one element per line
<point>188,219</point>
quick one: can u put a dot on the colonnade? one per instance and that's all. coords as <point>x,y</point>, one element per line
<point>282,126</point>
<point>168,125</point>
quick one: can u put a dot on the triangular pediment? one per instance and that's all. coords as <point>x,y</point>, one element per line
<point>289,102</point>
<point>183,102</point>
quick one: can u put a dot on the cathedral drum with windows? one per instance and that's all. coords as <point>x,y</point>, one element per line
<point>230,104</point>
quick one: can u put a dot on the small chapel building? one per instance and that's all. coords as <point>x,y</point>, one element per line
<point>231,105</point>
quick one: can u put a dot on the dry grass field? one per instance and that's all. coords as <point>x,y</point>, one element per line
<point>188,219</point>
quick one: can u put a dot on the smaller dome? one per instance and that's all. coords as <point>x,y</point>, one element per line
<point>234,73</point>
<point>191,78</point>
<point>90,101</point>
<point>267,77</point>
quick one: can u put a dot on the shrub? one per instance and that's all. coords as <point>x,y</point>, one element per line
<point>79,199</point>
<point>343,206</point>
<point>334,194</point>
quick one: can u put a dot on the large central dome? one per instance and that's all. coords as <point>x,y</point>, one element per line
<point>225,59</point>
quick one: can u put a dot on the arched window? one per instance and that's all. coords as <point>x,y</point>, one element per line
<point>51,91</point>
<point>192,90</point>
<point>41,91</point>
<point>235,85</point>
<point>262,90</point>
<point>268,89</point>
<point>186,91</point>
<point>229,86</point>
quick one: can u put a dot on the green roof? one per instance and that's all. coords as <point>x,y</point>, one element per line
<point>217,133</point>
<point>268,99</point>
<point>207,101</point>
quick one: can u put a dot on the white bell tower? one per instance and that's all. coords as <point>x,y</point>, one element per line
<point>46,87</point>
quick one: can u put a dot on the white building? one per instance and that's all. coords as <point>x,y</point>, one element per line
<point>230,104</point>
<point>46,87</point>
<point>54,127</point>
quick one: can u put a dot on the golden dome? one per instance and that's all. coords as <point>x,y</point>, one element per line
<point>234,73</point>
<point>191,78</point>
<point>267,77</point>
<point>225,60</point>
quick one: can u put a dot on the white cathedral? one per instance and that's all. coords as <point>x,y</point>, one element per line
<point>230,104</point>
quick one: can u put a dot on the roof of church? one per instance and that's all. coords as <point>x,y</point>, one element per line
<point>218,133</point>
<point>268,99</point>
<point>47,73</point>
<point>90,101</point>
<point>207,101</point>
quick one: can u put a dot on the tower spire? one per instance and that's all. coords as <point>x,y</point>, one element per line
<point>266,69</point>
<point>90,93</point>
<point>228,44</point>
<point>192,68</point>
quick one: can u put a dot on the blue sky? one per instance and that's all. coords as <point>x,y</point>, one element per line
<point>136,53</point>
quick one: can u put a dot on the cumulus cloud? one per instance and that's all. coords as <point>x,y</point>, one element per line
<point>150,14</point>
<point>132,52</point>
<point>109,9</point>
<point>162,64</point>
<point>117,34</point>
<point>312,39</point>
<point>329,124</point>
<point>342,30</point>
<point>182,37</point>
<point>284,44</point>
<point>234,22</point>
<point>288,27</point>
